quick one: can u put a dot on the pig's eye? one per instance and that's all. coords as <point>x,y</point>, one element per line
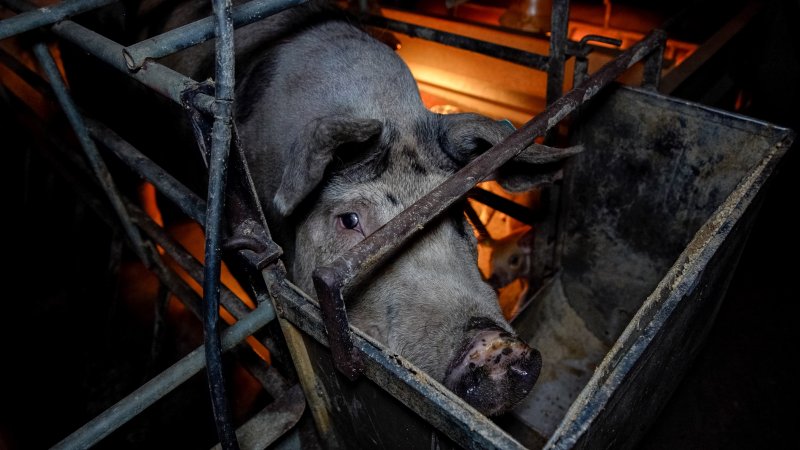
<point>349,220</point>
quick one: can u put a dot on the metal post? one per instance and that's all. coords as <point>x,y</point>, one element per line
<point>218,162</point>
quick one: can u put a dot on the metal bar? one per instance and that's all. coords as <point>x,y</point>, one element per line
<point>30,77</point>
<point>40,17</point>
<point>651,75</point>
<point>354,266</point>
<point>514,55</point>
<point>189,202</point>
<point>508,207</point>
<point>98,166</point>
<point>218,164</point>
<point>375,248</point>
<point>188,262</point>
<point>400,378</point>
<point>169,379</point>
<point>710,47</point>
<point>159,78</point>
<point>200,31</point>
<point>169,278</point>
<point>558,47</point>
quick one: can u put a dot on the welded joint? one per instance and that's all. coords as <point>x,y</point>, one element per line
<point>581,53</point>
<point>347,358</point>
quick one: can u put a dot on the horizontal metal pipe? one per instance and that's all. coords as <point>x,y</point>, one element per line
<point>35,18</point>
<point>357,263</point>
<point>200,31</point>
<point>161,79</point>
<point>510,54</point>
<point>150,392</point>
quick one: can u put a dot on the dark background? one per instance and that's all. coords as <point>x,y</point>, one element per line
<point>741,391</point>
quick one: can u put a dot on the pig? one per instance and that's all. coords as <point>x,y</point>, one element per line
<point>338,143</point>
<point>511,257</point>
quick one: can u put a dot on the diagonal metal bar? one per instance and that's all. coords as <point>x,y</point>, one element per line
<point>95,160</point>
<point>333,281</point>
<point>189,202</point>
<point>372,250</point>
<point>159,78</point>
<point>153,390</point>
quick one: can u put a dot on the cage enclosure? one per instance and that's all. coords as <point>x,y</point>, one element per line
<point>617,258</point>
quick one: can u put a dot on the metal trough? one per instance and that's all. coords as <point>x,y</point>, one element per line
<point>654,216</point>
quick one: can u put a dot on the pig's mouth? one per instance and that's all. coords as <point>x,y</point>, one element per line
<point>494,371</point>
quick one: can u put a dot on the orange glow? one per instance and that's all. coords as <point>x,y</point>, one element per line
<point>504,231</point>
<point>191,236</point>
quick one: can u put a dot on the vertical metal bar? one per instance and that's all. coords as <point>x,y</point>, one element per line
<point>651,76</point>
<point>558,50</point>
<point>218,161</point>
<point>98,166</point>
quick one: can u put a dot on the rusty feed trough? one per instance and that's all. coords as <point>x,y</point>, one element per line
<point>647,226</point>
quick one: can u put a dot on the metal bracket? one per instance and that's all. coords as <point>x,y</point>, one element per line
<point>346,357</point>
<point>248,235</point>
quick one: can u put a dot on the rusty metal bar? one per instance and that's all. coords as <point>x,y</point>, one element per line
<point>433,402</point>
<point>95,160</point>
<point>48,15</point>
<point>353,267</point>
<point>150,392</point>
<point>200,31</point>
<point>533,60</point>
<point>651,75</point>
<point>559,22</point>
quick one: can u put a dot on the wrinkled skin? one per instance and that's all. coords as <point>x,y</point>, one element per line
<point>339,142</point>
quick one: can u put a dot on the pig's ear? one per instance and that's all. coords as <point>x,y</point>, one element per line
<point>468,135</point>
<point>313,151</point>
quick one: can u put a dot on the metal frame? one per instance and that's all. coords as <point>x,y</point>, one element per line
<point>353,353</point>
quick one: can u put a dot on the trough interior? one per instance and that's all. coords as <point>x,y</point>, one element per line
<point>654,170</point>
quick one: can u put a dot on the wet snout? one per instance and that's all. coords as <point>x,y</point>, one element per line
<point>494,371</point>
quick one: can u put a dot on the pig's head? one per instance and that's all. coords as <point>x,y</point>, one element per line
<point>429,303</point>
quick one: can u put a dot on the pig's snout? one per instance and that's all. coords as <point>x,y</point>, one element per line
<point>494,372</point>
